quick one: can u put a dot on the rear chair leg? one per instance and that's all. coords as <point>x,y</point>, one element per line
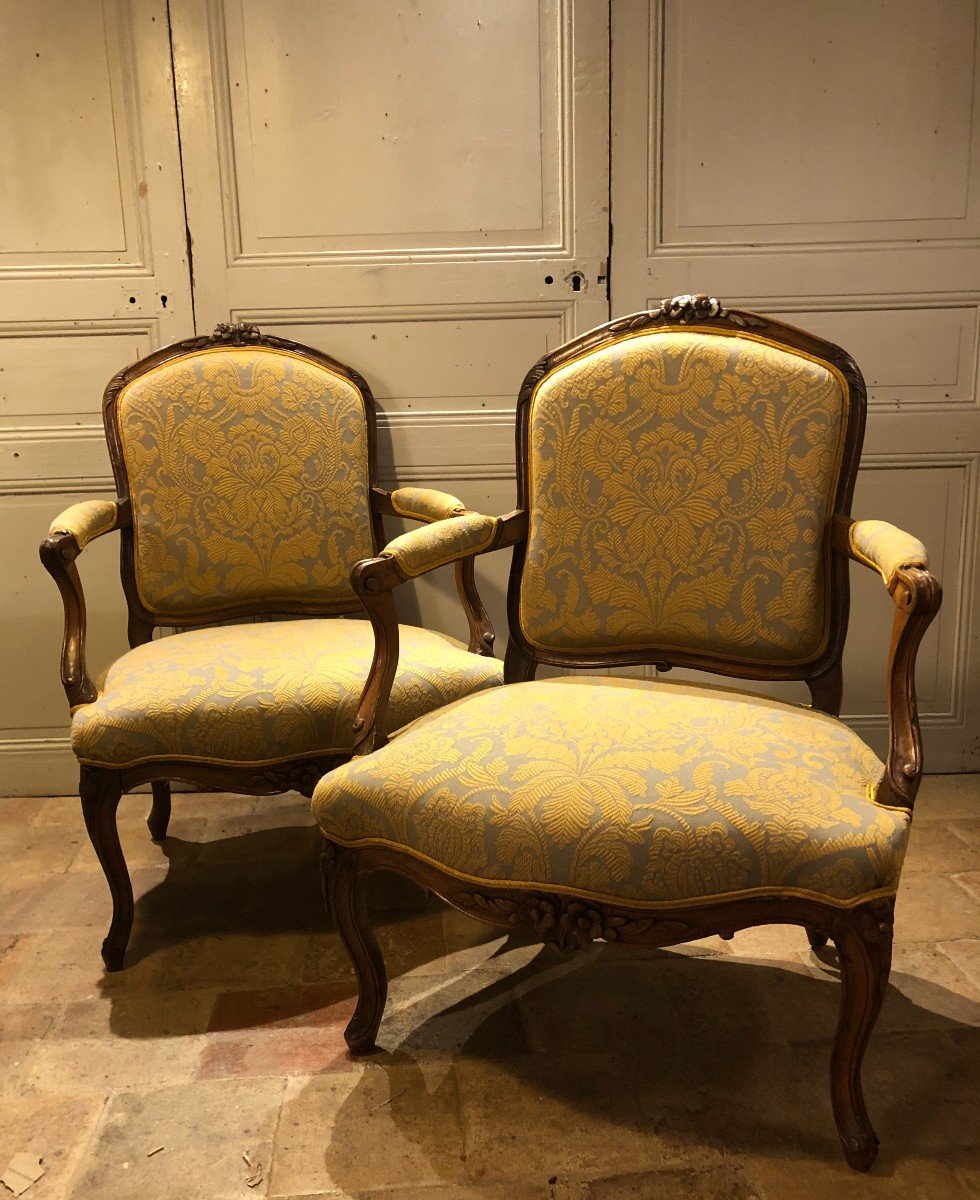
<point>864,947</point>
<point>818,938</point>
<point>100,792</point>
<point>159,817</point>
<point>344,894</point>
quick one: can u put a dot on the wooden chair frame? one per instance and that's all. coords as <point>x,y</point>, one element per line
<point>862,934</point>
<point>100,788</point>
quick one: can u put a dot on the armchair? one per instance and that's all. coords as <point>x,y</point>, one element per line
<point>245,467</point>
<point>685,478</point>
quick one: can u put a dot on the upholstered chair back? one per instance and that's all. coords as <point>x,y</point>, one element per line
<point>248,471</point>
<point>680,486</point>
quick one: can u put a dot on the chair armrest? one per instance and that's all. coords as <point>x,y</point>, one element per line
<point>69,534</point>
<point>902,562</point>
<point>426,504</point>
<point>85,521</point>
<point>885,547</point>
<point>457,539</point>
<point>422,550</point>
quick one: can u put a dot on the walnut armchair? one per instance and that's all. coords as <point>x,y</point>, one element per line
<point>245,467</point>
<point>685,478</point>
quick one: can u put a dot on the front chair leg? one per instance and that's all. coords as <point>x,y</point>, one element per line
<point>863,937</point>
<point>344,893</point>
<point>159,817</point>
<point>100,792</point>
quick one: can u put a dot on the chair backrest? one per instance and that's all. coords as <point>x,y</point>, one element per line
<point>681,469</point>
<point>248,463</point>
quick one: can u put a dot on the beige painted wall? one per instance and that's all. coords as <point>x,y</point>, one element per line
<point>396,183</point>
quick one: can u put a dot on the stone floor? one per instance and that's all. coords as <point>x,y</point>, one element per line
<point>507,1071</point>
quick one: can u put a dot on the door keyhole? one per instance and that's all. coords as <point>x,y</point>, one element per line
<point>577,281</point>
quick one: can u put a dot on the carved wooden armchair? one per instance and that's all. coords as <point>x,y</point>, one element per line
<point>684,487</point>
<point>246,477</point>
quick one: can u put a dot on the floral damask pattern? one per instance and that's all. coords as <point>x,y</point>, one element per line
<point>247,694</point>
<point>248,472</point>
<point>681,484</point>
<point>629,790</point>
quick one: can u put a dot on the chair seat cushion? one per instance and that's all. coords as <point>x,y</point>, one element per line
<point>261,693</point>
<point>642,791</point>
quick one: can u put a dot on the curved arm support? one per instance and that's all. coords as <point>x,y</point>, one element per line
<point>901,560</point>
<point>69,534</point>
<point>481,627</point>
<point>917,595</point>
<point>374,580</point>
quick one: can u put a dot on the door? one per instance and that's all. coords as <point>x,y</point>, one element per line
<point>863,229</point>
<point>93,274</point>
<point>420,190</point>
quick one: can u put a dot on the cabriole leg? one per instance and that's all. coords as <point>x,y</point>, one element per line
<point>159,817</point>
<point>344,892</point>
<point>864,947</point>
<point>100,792</point>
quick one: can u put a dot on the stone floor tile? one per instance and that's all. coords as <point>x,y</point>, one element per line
<point>204,1128</point>
<point>933,908</point>
<point>568,1116</point>
<point>718,998</point>
<point>969,881</point>
<point>76,1066</point>
<point>409,941</point>
<point>727,1182</point>
<point>54,1130</point>
<point>63,963</point>
<point>18,812</point>
<point>947,798</point>
<point>303,1006</point>
<point>965,954</point>
<point>278,1052</point>
<point>40,853</point>
<point>935,846</point>
<point>16,1060</point>
<point>968,830</point>
<point>629,999</point>
<point>387,1121</point>
<point>137,1014</point>
<point>26,1021</point>
<point>927,990</point>
<point>76,900</point>
<point>222,961</point>
<point>475,1013</point>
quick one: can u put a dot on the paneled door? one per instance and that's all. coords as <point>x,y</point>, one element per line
<point>847,203</point>
<point>93,274</point>
<point>418,189</point>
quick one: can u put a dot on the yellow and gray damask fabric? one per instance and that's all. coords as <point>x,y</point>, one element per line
<point>248,472</point>
<point>420,550</point>
<point>680,486</point>
<point>629,790</point>
<point>426,504</point>
<point>243,694</point>
<point>886,547</point>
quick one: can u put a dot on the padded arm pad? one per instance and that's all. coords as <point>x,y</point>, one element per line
<point>431,546</point>
<point>86,521</point>
<point>426,504</point>
<point>886,548</point>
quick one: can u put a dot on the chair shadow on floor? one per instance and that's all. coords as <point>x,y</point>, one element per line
<point>252,899</point>
<point>570,1054</point>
